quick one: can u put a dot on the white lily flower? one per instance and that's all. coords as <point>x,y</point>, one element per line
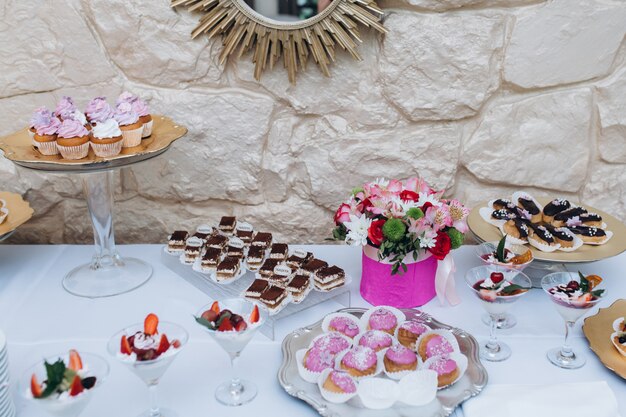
<point>357,230</point>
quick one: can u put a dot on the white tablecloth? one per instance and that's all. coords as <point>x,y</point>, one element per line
<point>41,319</point>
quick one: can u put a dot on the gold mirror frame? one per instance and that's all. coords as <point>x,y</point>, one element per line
<point>243,30</point>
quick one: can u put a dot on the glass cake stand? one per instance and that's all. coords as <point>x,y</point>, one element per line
<point>108,273</point>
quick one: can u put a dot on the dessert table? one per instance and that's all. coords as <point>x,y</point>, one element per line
<point>41,319</point>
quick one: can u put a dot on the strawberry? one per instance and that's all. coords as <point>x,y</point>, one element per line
<point>225,326</point>
<point>164,344</point>
<point>76,387</point>
<point>35,388</point>
<point>215,307</point>
<point>241,326</point>
<point>254,316</point>
<point>150,324</point>
<point>176,343</point>
<point>76,364</point>
<point>125,346</point>
<point>210,315</point>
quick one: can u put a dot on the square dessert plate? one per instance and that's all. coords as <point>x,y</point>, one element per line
<point>19,213</point>
<point>598,329</point>
<point>447,400</point>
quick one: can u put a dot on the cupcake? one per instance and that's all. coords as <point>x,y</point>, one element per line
<point>384,320</point>
<point>376,340</point>
<point>79,116</point>
<point>409,331</point>
<point>446,368</point>
<point>106,139</point>
<point>339,383</point>
<point>46,136</point>
<point>41,117</point>
<point>331,342</point>
<point>139,107</point>
<point>316,360</point>
<point>98,110</point>
<point>129,123</point>
<point>399,358</point>
<point>65,108</point>
<point>434,344</point>
<point>359,361</point>
<point>345,325</point>
<point>73,140</point>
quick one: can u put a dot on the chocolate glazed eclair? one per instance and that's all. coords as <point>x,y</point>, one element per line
<point>532,208</point>
<point>560,219</point>
<point>553,208</point>
<point>517,228</point>
<point>561,236</point>
<point>589,234</point>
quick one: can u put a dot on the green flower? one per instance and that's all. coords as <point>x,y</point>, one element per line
<point>394,229</point>
<point>357,190</point>
<point>456,238</point>
<point>415,213</point>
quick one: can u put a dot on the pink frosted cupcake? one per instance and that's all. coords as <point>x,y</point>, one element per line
<point>344,325</point>
<point>46,136</point>
<point>139,107</point>
<point>399,358</point>
<point>359,362</point>
<point>339,383</point>
<point>434,345</point>
<point>129,123</point>
<point>65,108</point>
<point>331,342</point>
<point>98,110</point>
<point>72,140</point>
<point>409,331</point>
<point>447,370</point>
<point>376,340</point>
<point>384,320</point>
<point>106,139</point>
<point>316,360</point>
<point>41,117</point>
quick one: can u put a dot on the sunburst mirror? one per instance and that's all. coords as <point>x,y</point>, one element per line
<point>293,29</point>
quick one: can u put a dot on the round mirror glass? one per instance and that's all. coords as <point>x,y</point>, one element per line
<point>288,10</point>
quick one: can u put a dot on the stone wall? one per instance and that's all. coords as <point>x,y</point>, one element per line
<point>483,97</point>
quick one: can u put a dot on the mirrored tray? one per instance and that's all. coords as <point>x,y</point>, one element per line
<point>486,232</point>
<point>18,148</point>
<point>598,329</point>
<point>470,384</point>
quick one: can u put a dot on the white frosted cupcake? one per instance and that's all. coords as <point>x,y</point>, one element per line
<point>73,140</point>
<point>129,124</point>
<point>106,139</point>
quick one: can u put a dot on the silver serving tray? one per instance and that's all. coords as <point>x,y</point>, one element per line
<point>470,384</point>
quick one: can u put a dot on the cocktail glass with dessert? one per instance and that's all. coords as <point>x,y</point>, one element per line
<point>507,254</point>
<point>232,323</point>
<point>148,349</point>
<point>573,295</point>
<point>497,288</point>
<point>63,385</point>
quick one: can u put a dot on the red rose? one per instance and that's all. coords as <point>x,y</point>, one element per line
<point>408,195</point>
<point>442,246</point>
<point>426,206</point>
<point>364,205</point>
<point>343,214</point>
<point>375,232</point>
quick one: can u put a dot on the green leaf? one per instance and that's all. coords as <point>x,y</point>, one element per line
<point>509,289</point>
<point>597,293</point>
<point>205,323</point>
<point>500,250</point>
<point>584,283</point>
<point>55,372</point>
<point>415,255</point>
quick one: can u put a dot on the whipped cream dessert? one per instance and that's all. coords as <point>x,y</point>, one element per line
<point>496,293</point>
<point>574,298</point>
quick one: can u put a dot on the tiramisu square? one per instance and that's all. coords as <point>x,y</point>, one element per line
<point>299,287</point>
<point>282,275</point>
<point>217,241</point>
<point>267,269</point>
<point>227,224</point>
<point>234,251</point>
<point>193,247</point>
<point>279,251</point>
<point>263,239</point>
<point>245,235</point>
<point>273,298</point>
<point>312,266</point>
<point>176,241</point>
<point>255,257</point>
<point>210,259</point>
<point>299,258</point>
<point>227,269</point>
<point>329,277</point>
<point>255,289</point>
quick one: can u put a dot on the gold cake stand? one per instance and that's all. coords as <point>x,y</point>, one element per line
<point>19,213</point>
<point>108,273</point>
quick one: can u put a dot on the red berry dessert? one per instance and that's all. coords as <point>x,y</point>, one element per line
<point>225,320</point>
<point>63,380</point>
<point>148,344</point>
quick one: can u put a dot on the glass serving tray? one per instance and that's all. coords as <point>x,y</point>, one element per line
<point>235,289</point>
<point>470,384</point>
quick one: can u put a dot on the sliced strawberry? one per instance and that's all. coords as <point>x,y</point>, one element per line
<point>164,344</point>
<point>151,324</point>
<point>225,326</point>
<point>215,307</point>
<point>176,343</point>
<point>254,316</point>
<point>77,386</point>
<point>76,364</point>
<point>125,346</point>
<point>241,326</point>
<point>35,388</point>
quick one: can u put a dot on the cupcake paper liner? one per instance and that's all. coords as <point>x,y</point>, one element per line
<point>418,388</point>
<point>378,393</point>
<point>146,129</point>
<point>329,317</point>
<point>620,350</point>
<point>48,148</point>
<point>105,150</point>
<point>358,337</point>
<point>542,246</point>
<point>366,316</point>
<point>485,214</point>
<point>443,333</point>
<point>334,397</point>
<point>131,137</point>
<point>461,363</point>
<point>74,152</point>
<point>578,242</point>
<point>617,323</point>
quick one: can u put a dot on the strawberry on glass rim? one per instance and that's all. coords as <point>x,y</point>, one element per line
<point>63,384</point>
<point>232,323</point>
<point>147,344</point>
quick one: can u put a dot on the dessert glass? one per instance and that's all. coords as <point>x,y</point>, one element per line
<point>483,251</point>
<point>64,405</point>
<point>150,372</point>
<point>236,391</point>
<point>564,356</point>
<point>496,307</point>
